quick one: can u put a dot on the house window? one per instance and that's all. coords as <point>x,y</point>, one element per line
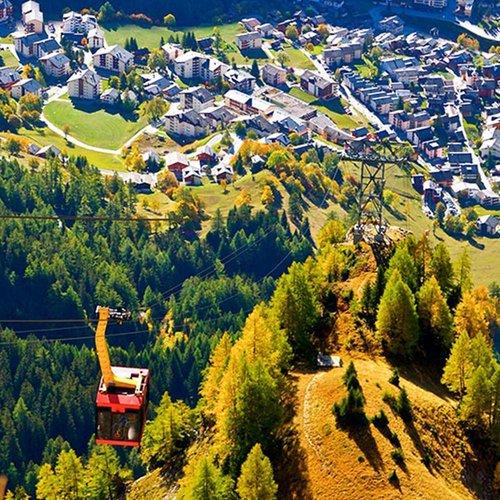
<point>115,63</point>
<point>102,60</point>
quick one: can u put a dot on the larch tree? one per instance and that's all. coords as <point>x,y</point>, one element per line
<point>397,322</point>
<point>477,313</point>
<point>458,365</point>
<point>442,268</point>
<point>256,480</point>
<point>477,403</point>
<point>205,481</point>
<point>403,262</point>
<point>296,306</point>
<point>435,318</point>
<point>463,271</point>
<point>218,363</point>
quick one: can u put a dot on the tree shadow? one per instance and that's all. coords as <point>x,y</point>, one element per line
<point>362,435</point>
<point>290,457</point>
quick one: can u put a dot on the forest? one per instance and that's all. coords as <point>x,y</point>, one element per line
<point>187,12</point>
<point>62,269</point>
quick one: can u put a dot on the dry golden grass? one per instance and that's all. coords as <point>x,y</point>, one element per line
<point>356,464</point>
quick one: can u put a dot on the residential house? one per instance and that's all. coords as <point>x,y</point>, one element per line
<point>206,155</point>
<point>191,176</point>
<point>188,65</point>
<point>469,172</point>
<point>32,17</point>
<point>249,41</point>
<point>266,29</point>
<point>442,176</point>
<point>432,193</point>
<point>250,23</point>
<point>247,104</point>
<point>5,11</point>
<point>433,149</point>
<point>95,39</point>
<point>490,146</point>
<point>45,47</point>
<point>344,53</point>
<point>188,124</point>
<point>176,163</point>
<point>458,158</point>
<point>197,98</point>
<point>433,4</point>
<point>110,96</point>
<point>155,84</point>
<point>114,58</point>
<point>239,79</point>
<point>74,22</point>
<point>219,116</point>
<point>25,43</point>
<point>318,86</point>
<point>85,84</point>
<point>8,77</point>
<point>206,44</point>
<point>488,225</point>
<point>418,136</point>
<point>56,64</point>
<point>391,24</point>
<point>212,69</point>
<point>26,86</point>
<point>49,151</point>
<point>273,75</point>
<point>260,125</point>
<point>222,172</point>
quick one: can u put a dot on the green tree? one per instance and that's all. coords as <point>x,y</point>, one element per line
<point>254,71</point>
<point>107,13</point>
<point>168,433</point>
<point>442,268</point>
<point>292,32</point>
<point>397,321</point>
<point>435,318</point>
<point>256,481</point>
<point>296,307</point>
<point>205,481</point>
<point>403,262</point>
<point>169,20</point>
<point>157,59</point>
<point>154,109</point>
<point>458,365</point>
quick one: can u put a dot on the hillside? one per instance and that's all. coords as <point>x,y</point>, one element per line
<point>341,464</point>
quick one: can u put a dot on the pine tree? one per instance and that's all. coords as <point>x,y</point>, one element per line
<point>435,319</point>
<point>256,481</point>
<point>254,71</point>
<point>397,322</point>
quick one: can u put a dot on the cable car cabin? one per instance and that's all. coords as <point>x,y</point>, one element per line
<point>121,411</point>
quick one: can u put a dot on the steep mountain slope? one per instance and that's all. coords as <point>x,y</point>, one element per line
<point>356,463</point>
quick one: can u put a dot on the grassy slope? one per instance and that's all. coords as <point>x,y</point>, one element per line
<point>484,253</point>
<point>297,58</point>
<point>330,108</point>
<point>356,464</point>
<point>44,137</point>
<point>96,127</point>
<point>9,59</point>
<point>150,37</point>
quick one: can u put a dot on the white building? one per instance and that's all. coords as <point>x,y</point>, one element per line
<point>74,22</point>
<point>113,58</point>
<point>26,86</point>
<point>85,84</point>
<point>251,40</point>
<point>32,17</point>
<point>56,64</point>
<point>95,39</point>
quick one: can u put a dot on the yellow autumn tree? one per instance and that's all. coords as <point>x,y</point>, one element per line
<point>218,363</point>
<point>267,197</point>
<point>477,313</point>
<point>244,198</point>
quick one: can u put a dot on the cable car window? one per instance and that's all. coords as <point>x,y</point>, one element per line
<point>119,426</point>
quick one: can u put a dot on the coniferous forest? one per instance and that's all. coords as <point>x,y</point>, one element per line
<point>63,269</point>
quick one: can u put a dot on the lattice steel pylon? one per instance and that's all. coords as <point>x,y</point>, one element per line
<point>370,195</point>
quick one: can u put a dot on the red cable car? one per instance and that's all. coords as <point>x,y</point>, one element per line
<point>123,394</point>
